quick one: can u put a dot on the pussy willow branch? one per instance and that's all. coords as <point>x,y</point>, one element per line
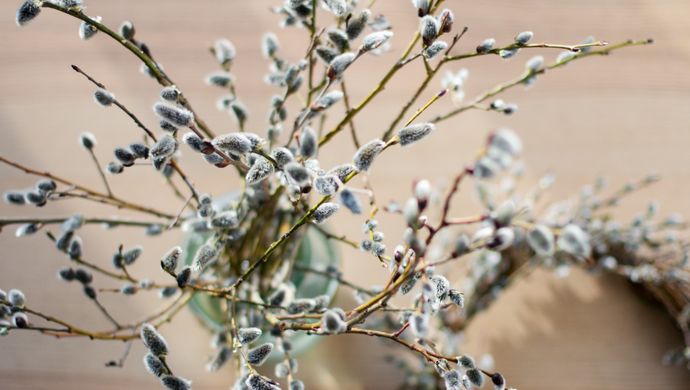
<point>91,194</point>
<point>4,221</point>
<point>304,219</point>
<point>447,58</point>
<point>162,78</point>
<point>148,132</point>
<point>99,168</point>
<point>503,87</point>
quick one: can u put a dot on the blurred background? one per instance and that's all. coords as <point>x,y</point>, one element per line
<point>621,116</point>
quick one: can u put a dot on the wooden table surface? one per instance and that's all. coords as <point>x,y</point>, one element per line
<point>621,116</point>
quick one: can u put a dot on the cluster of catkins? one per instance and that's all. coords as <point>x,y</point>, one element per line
<point>292,171</point>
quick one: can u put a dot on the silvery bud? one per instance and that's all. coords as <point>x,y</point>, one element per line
<point>16,298</point>
<point>257,356</point>
<point>339,39</point>
<point>332,322</point>
<point>88,30</point>
<point>366,154</point>
<point>475,376</point>
<point>502,239</point>
<point>356,24</point>
<point>575,241</point>
<point>165,147</point>
<point>428,29</point>
<point>269,45</point>
<point>283,156</point>
<point>541,240</point>
<point>323,212</point>
<point>28,11</point>
<point>258,382</point>
<point>234,143</point>
<point>434,49</point>
<point>204,256</point>
<point>103,97</point>
<point>350,201</point>
<point>419,325</point>
<point>260,171</point>
<point>374,40</point>
<point>534,64</point>
<point>326,54</point>
<point>486,45</point>
<point>175,383</point>
<point>248,335</point>
<point>422,6</point>
<point>171,259</point>
<point>220,79</point>
<point>445,20</point>
<point>414,133</point>
<point>20,320</point>
<point>176,115</point>
<point>308,143</point>
<point>524,37</point>
<point>153,340</point>
<point>338,65</point>
<point>127,30</point>
<point>337,7</point>
<point>224,51</point>
<point>154,365</point>
<point>326,184</point>
<point>114,168</point>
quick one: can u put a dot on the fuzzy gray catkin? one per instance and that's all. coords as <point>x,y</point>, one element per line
<point>170,259</point>
<point>428,29</point>
<point>486,45</point>
<point>413,133</point>
<point>204,256</point>
<point>258,382</point>
<point>170,93</point>
<point>224,51</point>
<point>176,383</point>
<point>247,335</point>
<point>235,143</point>
<point>260,171</point>
<point>366,154</point>
<point>257,356</point>
<point>308,143</point>
<point>88,30</point>
<point>339,39</point>
<point>154,365</point>
<point>326,184</point>
<point>127,30</point>
<point>374,40</point>
<point>176,115</point>
<point>165,147</point>
<point>338,65</point>
<point>350,201</point>
<point>357,24</point>
<point>540,238</point>
<point>331,322</point>
<point>153,340</point>
<point>103,97</point>
<point>524,37</point>
<point>323,212</point>
<point>27,12</point>
<point>16,298</point>
<point>269,45</point>
<point>435,48</point>
<point>87,140</point>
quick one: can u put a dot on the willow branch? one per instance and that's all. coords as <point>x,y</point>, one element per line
<point>158,73</point>
<point>104,198</point>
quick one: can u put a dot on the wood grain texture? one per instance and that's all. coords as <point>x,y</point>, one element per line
<point>621,116</point>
